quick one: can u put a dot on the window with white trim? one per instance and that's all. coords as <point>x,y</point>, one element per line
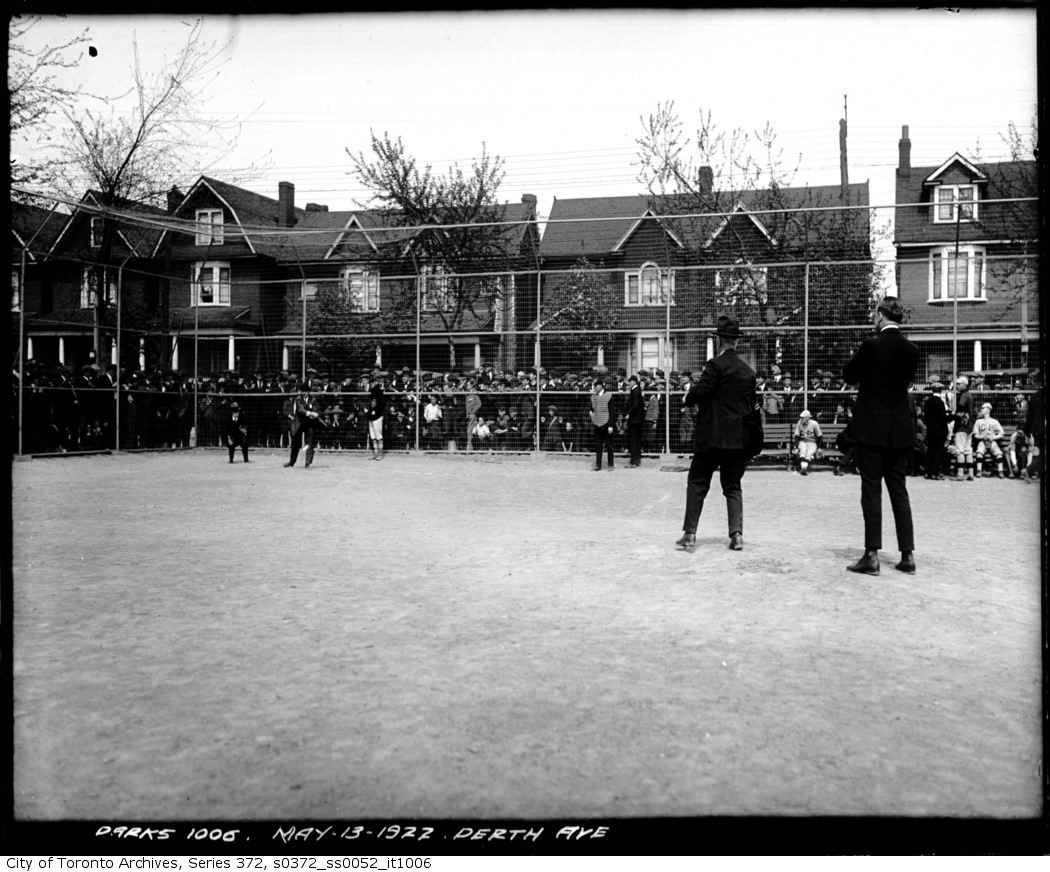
<point>954,200</point>
<point>210,284</point>
<point>16,292</point>
<point>96,231</point>
<point>360,289</point>
<point>649,286</point>
<point>438,293</point>
<point>961,277</point>
<point>90,285</point>
<point>743,285</point>
<point>308,290</point>
<point>209,226</point>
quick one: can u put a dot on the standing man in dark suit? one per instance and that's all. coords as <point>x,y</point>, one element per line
<point>236,434</point>
<point>935,417</point>
<point>883,368</point>
<point>635,421</point>
<point>724,394</point>
<point>304,426</point>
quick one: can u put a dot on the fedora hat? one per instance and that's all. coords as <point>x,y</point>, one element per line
<point>728,327</point>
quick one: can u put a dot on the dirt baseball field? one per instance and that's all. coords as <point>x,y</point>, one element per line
<point>473,637</point>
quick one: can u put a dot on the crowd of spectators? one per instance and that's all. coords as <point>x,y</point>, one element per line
<point>484,409</point>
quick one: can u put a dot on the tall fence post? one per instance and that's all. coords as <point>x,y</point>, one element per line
<point>536,358</point>
<point>805,339</point>
<point>21,345</point>
<point>668,361</point>
<point>419,357</point>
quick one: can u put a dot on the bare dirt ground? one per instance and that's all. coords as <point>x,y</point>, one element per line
<point>456,637</point>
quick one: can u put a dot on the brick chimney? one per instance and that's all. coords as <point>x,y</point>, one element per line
<point>175,197</point>
<point>316,207</point>
<point>705,181</point>
<point>286,204</point>
<point>904,150</point>
<point>529,200</point>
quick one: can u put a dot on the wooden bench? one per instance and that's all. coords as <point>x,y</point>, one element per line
<point>778,442</point>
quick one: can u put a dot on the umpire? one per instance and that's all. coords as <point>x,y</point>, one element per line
<point>724,394</point>
<point>883,368</point>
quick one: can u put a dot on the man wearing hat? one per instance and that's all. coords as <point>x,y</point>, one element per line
<point>883,368</point>
<point>376,410</point>
<point>723,395</point>
<point>236,431</point>
<point>635,421</point>
<point>962,438</point>
<point>935,417</point>
<point>304,425</point>
<point>807,434</point>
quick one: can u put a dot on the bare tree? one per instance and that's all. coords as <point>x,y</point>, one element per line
<point>459,261</point>
<point>133,154</point>
<point>35,94</point>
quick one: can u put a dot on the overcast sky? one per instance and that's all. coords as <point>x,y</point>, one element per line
<point>559,94</point>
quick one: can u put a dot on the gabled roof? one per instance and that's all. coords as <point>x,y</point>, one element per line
<point>136,222</point>
<point>724,223</point>
<point>597,226</point>
<point>976,174</point>
<point>1000,221</point>
<point>649,215</point>
<point>39,228</point>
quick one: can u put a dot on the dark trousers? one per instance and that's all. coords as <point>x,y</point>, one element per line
<point>303,434</point>
<point>877,464</point>
<point>731,463</point>
<point>634,441</point>
<point>934,462</point>
<point>232,446</point>
<point>602,437</point>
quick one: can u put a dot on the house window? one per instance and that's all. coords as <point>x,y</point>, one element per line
<point>308,291</point>
<point>744,285</point>
<point>16,292</point>
<point>210,284</point>
<point>361,290</point>
<point>439,289</point>
<point>96,232</point>
<point>209,227</point>
<point>650,286</point>
<point>955,200</point>
<point>650,354</point>
<point>90,285</point>
<point>957,277</point>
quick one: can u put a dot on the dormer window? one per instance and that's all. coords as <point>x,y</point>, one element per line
<point>96,232</point>
<point>954,202</point>
<point>209,227</point>
<point>649,286</point>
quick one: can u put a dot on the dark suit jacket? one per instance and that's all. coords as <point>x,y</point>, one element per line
<point>883,368</point>
<point>935,416</point>
<point>635,406</point>
<point>724,393</point>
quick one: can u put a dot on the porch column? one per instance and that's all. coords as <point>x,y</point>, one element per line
<point>62,350</point>
<point>978,363</point>
<point>284,358</point>
<point>29,348</point>
<point>379,356</point>
<point>174,352</point>
<point>477,354</point>
<point>113,352</point>
<point>601,355</point>
<point>710,351</point>
<point>231,359</point>
<point>142,354</point>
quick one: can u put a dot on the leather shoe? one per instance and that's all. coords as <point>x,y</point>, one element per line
<point>907,563</point>
<point>686,543</point>
<point>287,465</point>
<point>736,542</point>
<point>868,564</point>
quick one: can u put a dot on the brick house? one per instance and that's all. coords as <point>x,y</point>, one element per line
<point>966,267</point>
<point>666,278</point>
<point>72,279</point>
